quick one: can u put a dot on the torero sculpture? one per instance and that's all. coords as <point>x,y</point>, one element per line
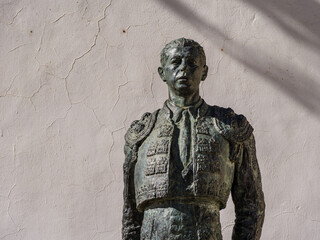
<point>183,161</point>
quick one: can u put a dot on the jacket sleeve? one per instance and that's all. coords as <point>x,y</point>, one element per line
<point>131,219</point>
<point>247,194</point>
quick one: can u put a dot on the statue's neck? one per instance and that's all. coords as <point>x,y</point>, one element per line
<point>184,101</point>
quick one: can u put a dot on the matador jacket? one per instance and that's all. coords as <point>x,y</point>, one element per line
<point>223,162</point>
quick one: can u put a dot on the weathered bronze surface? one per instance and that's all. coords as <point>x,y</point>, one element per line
<point>183,161</point>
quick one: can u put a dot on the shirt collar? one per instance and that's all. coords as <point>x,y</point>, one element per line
<point>173,111</point>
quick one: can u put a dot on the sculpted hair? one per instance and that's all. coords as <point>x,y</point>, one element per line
<point>181,42</point>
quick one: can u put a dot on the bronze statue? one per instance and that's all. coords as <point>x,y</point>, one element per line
<point>183,160</point>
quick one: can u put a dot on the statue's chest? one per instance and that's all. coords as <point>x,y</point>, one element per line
<point>159,174</point>
<point>207,148</point>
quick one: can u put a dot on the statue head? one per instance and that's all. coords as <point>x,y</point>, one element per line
<point>181,42</point>
<point>183,66</point>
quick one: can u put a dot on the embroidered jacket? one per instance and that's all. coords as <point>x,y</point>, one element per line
<point>223,160</point>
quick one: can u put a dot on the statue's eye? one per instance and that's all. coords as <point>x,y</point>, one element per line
<point>175,61</point>
<point>192,62</point>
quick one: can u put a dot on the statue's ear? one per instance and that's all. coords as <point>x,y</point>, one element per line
<point>161,73</point>
<point>205,73</point>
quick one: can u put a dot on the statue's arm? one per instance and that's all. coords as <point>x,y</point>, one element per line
<point>131,219</point>
<point>247,194</point>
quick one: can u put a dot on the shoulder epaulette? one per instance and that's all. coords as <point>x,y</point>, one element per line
<point>232,126</point>
<point>140,129</point>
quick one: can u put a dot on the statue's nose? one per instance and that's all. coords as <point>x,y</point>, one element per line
<point>183,65</point>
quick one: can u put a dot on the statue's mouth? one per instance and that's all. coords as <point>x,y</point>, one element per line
<point>182,80</point>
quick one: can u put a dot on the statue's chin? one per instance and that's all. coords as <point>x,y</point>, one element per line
<point>184,90</point>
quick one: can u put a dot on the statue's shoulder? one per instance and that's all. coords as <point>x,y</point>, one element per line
<point>234,127</point>
<point>140,129</point>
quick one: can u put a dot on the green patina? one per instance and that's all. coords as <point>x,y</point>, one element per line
<point>185,159</point>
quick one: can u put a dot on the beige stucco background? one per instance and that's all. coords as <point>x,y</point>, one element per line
<point>75,73</point>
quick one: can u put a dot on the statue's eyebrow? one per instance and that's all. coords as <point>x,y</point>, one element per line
<point>190,56</point>
<point>176,56</point>
<point>180,56</point>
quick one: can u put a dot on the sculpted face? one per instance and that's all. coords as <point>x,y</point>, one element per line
<point>183,70</point>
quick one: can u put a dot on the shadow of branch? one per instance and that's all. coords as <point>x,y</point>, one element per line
<point>304,91</point>
<point>287,14</point>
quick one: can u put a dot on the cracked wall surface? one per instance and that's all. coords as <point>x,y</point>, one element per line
<point>75,74</point>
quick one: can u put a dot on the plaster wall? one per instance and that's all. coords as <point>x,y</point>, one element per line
<point>75,74</point>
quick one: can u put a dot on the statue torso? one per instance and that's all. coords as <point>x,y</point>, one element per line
<point>181,200</point>
<point>161,176</point>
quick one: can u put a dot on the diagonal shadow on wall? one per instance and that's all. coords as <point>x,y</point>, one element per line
<point>302,88</point>
<point>299,19</point>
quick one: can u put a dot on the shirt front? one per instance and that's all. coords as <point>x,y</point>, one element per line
<point>182,144</point>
